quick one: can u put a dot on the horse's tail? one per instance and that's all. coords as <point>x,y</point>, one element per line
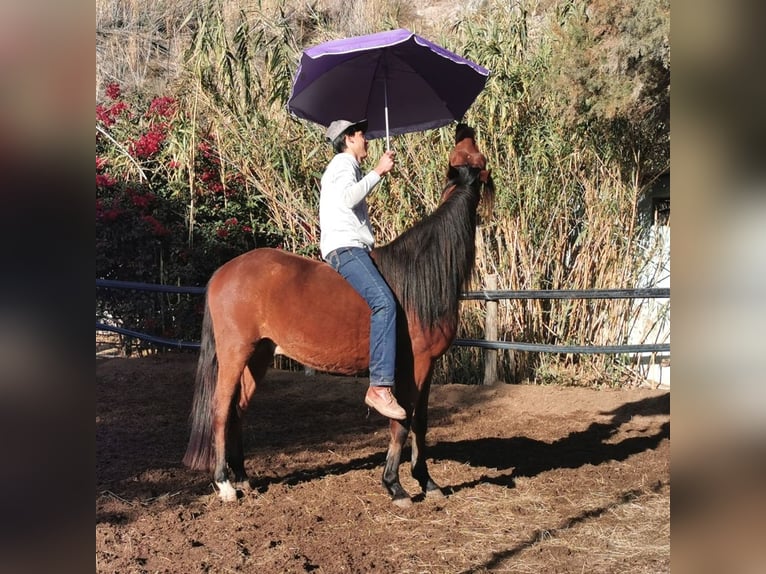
<point>200,454</point>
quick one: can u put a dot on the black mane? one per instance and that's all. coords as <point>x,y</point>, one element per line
<point>428,265</point>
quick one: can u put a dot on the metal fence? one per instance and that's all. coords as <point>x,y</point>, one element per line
<point>489,296</point>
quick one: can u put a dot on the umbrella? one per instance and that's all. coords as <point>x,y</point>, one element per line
<point>423,85</point>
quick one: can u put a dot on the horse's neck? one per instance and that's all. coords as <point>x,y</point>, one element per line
<point>428,264</point>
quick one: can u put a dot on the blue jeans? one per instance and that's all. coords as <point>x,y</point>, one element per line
<point>357,267</point>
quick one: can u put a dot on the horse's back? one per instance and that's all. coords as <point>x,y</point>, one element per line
<point>274,277</point>
<point>302,305</point>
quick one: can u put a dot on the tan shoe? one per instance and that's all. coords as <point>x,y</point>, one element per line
<point>382,400</point>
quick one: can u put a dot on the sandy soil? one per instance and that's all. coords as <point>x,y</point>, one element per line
<point>538,479</point>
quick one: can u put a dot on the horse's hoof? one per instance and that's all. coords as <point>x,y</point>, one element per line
<point>435,493</point>
<point>226,491</point>
<point>403,502</point>
<point>244,486</point>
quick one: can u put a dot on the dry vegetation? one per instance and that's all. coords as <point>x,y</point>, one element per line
<point>573,121</point>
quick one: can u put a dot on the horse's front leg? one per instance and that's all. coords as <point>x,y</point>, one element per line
<point>399,431</point>
<point>419,430</point>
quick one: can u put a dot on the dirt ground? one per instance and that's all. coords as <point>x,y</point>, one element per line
<point>538,479</point>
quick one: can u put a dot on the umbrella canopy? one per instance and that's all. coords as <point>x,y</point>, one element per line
<point>423,85</point>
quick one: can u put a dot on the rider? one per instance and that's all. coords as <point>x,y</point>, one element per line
<point>346,240</point>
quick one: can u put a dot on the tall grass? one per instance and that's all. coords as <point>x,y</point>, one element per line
<point>565,216</point>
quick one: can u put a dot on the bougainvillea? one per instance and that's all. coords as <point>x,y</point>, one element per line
<point>108,115</point>
<point>159,220</point>
<point>113,91</point>
<point>148,143</point>
<point>163,107</point>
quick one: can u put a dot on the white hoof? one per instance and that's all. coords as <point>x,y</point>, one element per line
<point>226,491</point>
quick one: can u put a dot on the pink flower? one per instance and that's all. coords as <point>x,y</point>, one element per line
<point>113,91</point>
<point>141,201</point>
<point>112,214</point>
<point>164,107</point>
<point>247,229</point>
<point>149,143</point>
<point>222,232</point>
<point>108,115</point>
<point>232,221</point>
<point>103,115</point>
<point>157,228</point>
<point>117,108</point>
<point>208,175</point>
<point>104,180</point>
<point>208,153</point>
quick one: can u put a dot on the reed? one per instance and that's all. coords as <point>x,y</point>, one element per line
<point>569,173</point>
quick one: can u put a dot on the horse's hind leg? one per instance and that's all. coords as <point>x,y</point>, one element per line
<point>235,453</point>
<point>231,364</point>
<point>256,369</point>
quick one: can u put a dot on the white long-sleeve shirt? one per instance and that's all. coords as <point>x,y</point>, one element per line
<point>343,217</point>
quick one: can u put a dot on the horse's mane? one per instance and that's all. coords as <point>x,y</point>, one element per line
<point>428,265</point>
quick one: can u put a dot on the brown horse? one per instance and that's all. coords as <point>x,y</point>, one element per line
<point>270,301</point>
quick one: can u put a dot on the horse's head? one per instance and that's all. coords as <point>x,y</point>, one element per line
<point>466,154</point>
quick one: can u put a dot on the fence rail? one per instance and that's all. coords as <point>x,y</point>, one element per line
<point>110,283</point>
<point>485,295</point>
<point>174,343</point>
<point>575,349</point>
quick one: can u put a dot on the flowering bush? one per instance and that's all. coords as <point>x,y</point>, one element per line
<point>161,218</point>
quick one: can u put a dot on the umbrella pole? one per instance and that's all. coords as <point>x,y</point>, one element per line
<point>385,102</point>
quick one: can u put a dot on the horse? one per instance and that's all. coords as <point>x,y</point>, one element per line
<point>268,301</point>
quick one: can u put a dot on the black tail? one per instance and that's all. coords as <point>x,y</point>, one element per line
<point>200,454</point>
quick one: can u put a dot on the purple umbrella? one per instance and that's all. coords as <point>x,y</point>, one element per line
<point>424,85</point>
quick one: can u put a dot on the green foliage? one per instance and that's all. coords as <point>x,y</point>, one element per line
<point>613,79</point>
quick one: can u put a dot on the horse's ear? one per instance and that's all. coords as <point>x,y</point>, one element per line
<point>463,131</point>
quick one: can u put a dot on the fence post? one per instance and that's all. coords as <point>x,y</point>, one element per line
<point>490,334</point>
